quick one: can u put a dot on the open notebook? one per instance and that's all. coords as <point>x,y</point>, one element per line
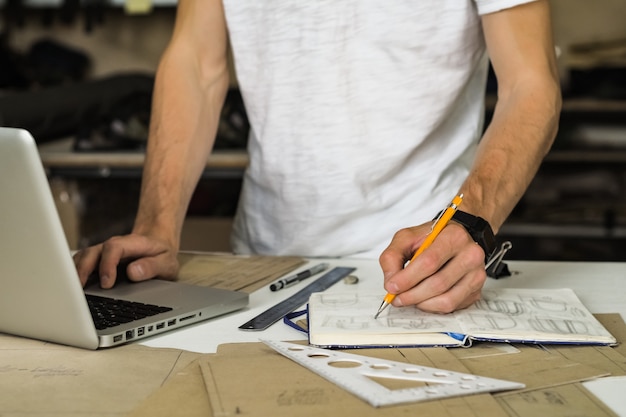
<point>40,293</point>
<point>547,316</point>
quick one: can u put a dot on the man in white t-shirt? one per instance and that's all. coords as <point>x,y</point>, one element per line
<point>366,120</point>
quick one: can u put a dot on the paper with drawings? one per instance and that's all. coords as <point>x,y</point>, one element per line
<point>555,315</point>
<point>531,313</point>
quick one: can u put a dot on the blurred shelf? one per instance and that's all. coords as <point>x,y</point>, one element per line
<point>578,104</point>
<point>563,231</point>
<point>589,156</point>
<point>59,160</point>
<point>59,3</point>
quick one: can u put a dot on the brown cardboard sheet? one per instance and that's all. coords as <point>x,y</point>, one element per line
<point>252,378</point>
<point>539,366</point>
<point>547,392</point>
<point>569,400</point>
<point>184,394</point>
<point>234,272</point>
<point>44,379</point>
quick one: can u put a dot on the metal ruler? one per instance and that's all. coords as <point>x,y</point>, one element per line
<point>356,378</point>
<point>277,312</point>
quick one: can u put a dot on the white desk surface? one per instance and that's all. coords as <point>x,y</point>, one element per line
<point>601,286</point>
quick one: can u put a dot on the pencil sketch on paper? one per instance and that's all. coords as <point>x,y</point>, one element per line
<point>493,321</point>
<point>352,311</point>
<point>528,310</point>
<point>365,322</point>
<point>503,309</point>
<point>561,326</point>
<point>507,315</point>
<point>508,307</point>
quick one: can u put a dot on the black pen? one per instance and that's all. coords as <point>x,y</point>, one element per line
<point>286,282</point>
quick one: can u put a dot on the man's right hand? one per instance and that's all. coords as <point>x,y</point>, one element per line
<point>147,258</point>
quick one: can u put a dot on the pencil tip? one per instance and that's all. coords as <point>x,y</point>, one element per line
<point>380,309</point>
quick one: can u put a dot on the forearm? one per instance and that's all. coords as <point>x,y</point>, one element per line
<point>526,115</point>
<point>520,134</point>
<point>181,138</point>
<point>190,86</point>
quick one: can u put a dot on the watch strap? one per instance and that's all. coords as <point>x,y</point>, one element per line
<point>479,229</point>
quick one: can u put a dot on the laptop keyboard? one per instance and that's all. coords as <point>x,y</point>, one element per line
<point>111,312</point>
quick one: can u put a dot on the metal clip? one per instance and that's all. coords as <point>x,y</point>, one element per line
<point>495,267</point>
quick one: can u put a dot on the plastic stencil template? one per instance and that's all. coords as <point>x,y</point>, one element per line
<point>354,372</point>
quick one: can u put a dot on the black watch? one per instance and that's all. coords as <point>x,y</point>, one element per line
<point>479,229</point>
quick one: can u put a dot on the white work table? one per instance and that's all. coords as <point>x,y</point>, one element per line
<point>601,286</point>
<point>43,379</point>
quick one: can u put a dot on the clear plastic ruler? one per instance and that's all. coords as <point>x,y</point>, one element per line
<point>356,378</point>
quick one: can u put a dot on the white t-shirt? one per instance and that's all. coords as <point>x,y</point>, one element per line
<point>365,116</point>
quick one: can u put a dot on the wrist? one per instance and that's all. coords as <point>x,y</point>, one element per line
<point>479,229</point>
<point>161,232</point>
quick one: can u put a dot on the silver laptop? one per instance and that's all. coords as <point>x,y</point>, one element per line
<point>40,294</point>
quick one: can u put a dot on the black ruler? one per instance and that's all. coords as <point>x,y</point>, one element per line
<point>277,312</point>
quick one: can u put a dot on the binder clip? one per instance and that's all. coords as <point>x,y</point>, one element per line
<point>495,267</point>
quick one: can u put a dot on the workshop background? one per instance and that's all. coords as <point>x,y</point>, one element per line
<point>78,74</point>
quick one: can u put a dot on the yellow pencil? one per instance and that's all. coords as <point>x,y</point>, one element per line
<point>438,226</point>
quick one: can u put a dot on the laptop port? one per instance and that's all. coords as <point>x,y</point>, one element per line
<point>130,334</point>
<point>171,322</point>
<point>187,317</point>
<point>140,331</point>
<point>150,328</point>
<point>118,338</point>
<point>160,326</point>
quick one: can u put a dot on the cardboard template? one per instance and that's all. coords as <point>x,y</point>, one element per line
<point>44,379</point>
<point>234,272</point>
